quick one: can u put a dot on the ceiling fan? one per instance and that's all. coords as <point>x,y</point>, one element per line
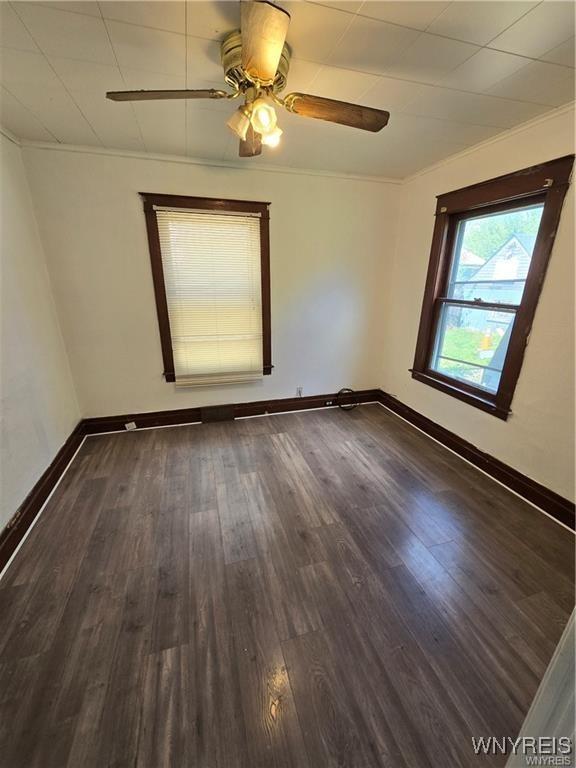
<point>256,60</point>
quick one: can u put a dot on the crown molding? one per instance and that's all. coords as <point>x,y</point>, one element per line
<point>505,134</point>
<point>137,155</point>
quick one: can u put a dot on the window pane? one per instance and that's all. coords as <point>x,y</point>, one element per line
<point>492,255</point>
<point>471,345</point>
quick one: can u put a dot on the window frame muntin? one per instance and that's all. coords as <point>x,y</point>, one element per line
<point>215,205</point>
<point>548,181</point>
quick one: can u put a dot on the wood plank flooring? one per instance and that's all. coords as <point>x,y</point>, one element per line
<point>312,590</point>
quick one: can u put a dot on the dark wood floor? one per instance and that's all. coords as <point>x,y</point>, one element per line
<point>315,590</point>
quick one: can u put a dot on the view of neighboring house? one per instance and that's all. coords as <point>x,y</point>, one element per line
<point>508,269</point>
<point>510,263</point>
<point>505,270</point>
<point>468,264</point>
<point>498,279</point>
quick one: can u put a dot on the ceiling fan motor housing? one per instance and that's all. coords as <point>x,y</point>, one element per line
<point>231,54</point>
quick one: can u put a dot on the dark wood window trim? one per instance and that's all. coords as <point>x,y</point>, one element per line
<point>209,204</point>
<point>546,183</point>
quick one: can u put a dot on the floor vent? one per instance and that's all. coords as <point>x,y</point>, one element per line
<point>217,413</point>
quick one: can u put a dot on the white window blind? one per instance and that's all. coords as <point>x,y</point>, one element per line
<point>211,263</point>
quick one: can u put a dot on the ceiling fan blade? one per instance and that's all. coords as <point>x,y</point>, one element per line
<point>264,28</point>
<point>252,145</point>
<point>354,115</point>
<point>210,93</point>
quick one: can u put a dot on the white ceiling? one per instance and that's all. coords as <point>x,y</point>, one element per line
<point>451,73</point>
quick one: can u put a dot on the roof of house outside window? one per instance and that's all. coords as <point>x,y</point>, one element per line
<point>510,262</point>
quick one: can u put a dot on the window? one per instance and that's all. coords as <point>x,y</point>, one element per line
<point>210,266</point>
<point>490,249</point>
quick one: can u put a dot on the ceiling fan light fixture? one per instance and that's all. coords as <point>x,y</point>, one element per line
<point>256,60</point>
<point>263,117</point>
<point>272,139</point>
<point>239,122</point>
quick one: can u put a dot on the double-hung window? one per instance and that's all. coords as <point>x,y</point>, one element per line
<point>490,249</point>
<point>210,266</point>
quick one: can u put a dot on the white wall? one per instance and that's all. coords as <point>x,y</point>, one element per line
<point>538,438</point>
<point>330,239</point>
<point>38,402</point>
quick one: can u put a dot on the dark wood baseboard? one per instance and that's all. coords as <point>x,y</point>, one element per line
<point>234,410</point>
<point>552,503</point>
<point>25,515</point>
<point>555,505</point>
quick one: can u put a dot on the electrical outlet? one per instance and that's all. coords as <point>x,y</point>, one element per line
<point>329,402</point>
<point>130,426</point>
<point>299,391</point>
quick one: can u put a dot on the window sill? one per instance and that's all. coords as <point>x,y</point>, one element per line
<point>477,401</point>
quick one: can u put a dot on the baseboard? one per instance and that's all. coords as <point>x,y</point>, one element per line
<point>14,532</point>
<point>234,410</point>
<point>555,505</point>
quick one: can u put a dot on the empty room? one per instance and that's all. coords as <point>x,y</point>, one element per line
<point>287,447</point>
